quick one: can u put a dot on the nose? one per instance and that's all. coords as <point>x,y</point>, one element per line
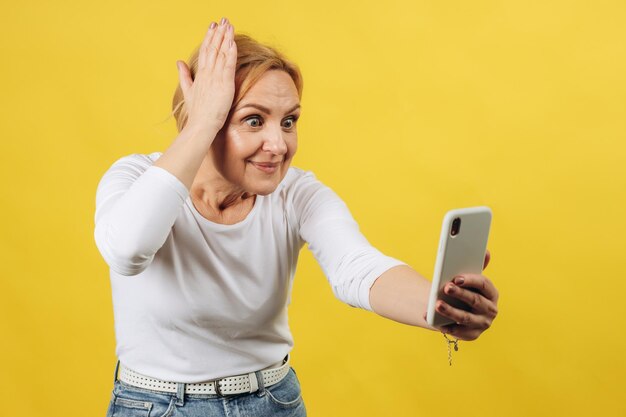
<point>274,142</point>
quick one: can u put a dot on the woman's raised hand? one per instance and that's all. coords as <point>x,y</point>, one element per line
<point>209,96</point>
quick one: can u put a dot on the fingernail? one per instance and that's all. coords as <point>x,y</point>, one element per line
<point>450,289</point>
<point>213,24</point>
<point>223,21</point>
<point>459,280</point>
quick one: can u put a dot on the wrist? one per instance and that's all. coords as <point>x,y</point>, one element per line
<point>204,132</point>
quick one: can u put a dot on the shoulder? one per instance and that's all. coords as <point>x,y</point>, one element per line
<point>132,165</point>
<point>125,170</point>
<point>307,195</point>
<point>296,179</point>
<point>301,186</point>
<point>138,160</point>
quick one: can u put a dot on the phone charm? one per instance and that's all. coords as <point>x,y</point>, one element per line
<point>454,342</point>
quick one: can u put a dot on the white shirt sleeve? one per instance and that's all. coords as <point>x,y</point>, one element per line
<point>136,206</point>
<point>350,263</point>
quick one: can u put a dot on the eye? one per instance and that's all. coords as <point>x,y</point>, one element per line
<point>256,119</point>
<point>292,120</point>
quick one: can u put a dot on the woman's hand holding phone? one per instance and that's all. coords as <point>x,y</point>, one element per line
<point>480,295</point>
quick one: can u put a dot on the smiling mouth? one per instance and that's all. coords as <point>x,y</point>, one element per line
<point>267,167</point>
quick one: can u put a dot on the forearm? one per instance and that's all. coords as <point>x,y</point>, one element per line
<point>401,294</point>
<point>186,153</point>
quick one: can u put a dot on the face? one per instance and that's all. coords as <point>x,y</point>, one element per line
<point>258,141</point>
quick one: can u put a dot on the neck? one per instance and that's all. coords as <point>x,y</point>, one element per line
<point>215,193</point>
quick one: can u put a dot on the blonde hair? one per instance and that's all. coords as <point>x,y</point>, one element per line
<point>253,60</point>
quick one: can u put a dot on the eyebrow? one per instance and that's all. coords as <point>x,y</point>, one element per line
<point>265,109</point>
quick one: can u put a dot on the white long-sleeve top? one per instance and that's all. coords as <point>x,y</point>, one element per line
<point>195,300</point>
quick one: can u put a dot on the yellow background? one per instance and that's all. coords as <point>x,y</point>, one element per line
<point>410,109</point>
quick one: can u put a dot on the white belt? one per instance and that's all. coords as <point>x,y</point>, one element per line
<point>230,385</point>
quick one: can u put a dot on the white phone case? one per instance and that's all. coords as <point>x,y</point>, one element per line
<point>462,253</point>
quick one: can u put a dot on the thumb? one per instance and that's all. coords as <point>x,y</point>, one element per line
<point>184,76</point>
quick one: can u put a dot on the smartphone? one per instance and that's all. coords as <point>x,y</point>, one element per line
<point>462,249</point>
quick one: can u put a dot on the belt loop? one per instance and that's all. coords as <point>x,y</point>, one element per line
<point>117,367</point>
<point>259,378</point>
<point>254,382</point>
<point>180,393</point>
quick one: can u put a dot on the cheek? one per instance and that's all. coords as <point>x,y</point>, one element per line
<point>292,145</point>
<point>239,145</point>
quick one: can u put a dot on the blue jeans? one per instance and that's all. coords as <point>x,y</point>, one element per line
<point>278,400</point>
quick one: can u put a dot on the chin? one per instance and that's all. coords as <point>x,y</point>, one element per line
<point>267,185</point>
<point>265,192</point>
<point>263,187</point>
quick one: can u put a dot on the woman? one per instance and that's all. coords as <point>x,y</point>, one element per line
<point>202,243</point>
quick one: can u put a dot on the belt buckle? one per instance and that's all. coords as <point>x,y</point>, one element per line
<point>218,391</point>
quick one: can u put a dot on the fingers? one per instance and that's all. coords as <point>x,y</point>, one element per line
<point>218,39</point>
<point>479,293</point>
<point>487,259</point>
<point>462,317</point>
<point>461,333</point>
<point>230,59</point>
<point>202,56</point>
<point>217,45</point>
<point>478,303</point>
<point>478,282</point>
